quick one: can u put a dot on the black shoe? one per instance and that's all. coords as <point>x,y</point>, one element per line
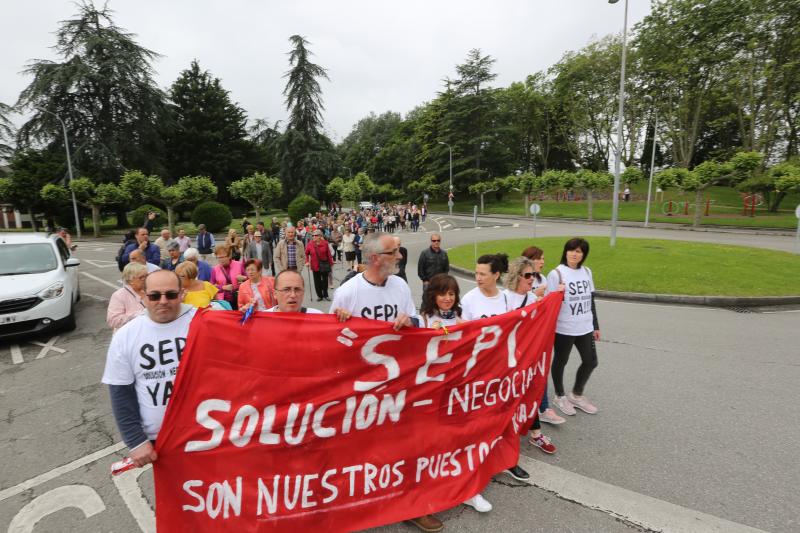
<point>518,473</point>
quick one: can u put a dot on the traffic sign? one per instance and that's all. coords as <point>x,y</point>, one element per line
<point>535,209</point>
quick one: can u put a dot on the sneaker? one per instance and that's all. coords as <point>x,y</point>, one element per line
<point>428,523</point>
<point>550,416</point>
<point>479,503</point>
<point>518,473</point>
<point>543,443</point>
<point>564,405</point>
<point>582,403</point>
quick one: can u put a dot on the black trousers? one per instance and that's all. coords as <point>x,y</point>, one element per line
<point>321,284</point>
<point>561,351</point>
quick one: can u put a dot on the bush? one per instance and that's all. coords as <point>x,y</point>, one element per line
<point>301,206</point>
<point>216,216</point>
<point>137,216</point>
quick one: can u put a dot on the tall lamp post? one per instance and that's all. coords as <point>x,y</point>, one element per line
<point>69,170</point>
<point>449,198</point>
<point>621,110</point>
<point>652,164</point>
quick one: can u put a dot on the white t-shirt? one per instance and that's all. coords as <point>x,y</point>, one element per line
<point>146,353</point>
<point>575,317</point>
<point>309,310</point>
<point>515,300</point>
<point>363,299</point>
<point>436,317</point>
<point>475,305</point>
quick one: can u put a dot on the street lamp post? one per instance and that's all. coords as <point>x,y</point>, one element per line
<point>652,163</point>
<point>449,198</point>
<point>621,110</point>
<point>69,170</point>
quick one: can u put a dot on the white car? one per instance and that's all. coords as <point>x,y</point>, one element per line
<point>365,205</point>
<point>38,284</point>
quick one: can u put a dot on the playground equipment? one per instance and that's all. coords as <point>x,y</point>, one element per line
<point>750,202</point>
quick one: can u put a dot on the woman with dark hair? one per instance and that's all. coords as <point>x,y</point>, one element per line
<point>258,291</point>
<point>440,302</point>
<point>577,325</point>
<point>539,286</point>
<point>483,301</point>
<point>486,299</point>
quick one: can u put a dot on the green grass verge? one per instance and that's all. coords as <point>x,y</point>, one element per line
<point>726,209</point>
<point>664,267</point>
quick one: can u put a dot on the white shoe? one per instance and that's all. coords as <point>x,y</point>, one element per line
<point>479,503</point>
<point>564,405</point>
<point>582,403</point>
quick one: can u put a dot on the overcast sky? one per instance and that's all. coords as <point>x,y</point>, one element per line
<point>380,55</point>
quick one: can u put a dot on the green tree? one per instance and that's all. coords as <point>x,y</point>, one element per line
<point>365,184</point>
<point>426,185</point>
<point>139,187</point>
<point>189,191</point>
<point>259,190</point>
<point>591,182</point>
<point>94,196</point>
<point>103,90</point>
<point>334,189</point>
<point>32,170</point>
<point>351,192</point>
<point>6,132</point>
<point>485,187</point>
<point>308,158</point>
<point>206,134</point>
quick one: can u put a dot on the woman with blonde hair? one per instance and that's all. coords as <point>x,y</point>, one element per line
<point>234,242</point>
<point>127,302</point>
<point>197,293</point>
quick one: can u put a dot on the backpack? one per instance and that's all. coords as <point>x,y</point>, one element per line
<point>119,255</point>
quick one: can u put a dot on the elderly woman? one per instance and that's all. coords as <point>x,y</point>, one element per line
<point>349,247</point>
<point>227,275</point>
<point>127,302</point>
<point>258,290</point>
<point>197,293</point>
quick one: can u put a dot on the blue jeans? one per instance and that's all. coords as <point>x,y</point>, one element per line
<point>545,403</point>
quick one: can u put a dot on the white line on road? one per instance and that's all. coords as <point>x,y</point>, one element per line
<point>101,280</point>
<point>69,467</point>
<point>638,509</point>
<point>16,354</point>
<point>447,226</point>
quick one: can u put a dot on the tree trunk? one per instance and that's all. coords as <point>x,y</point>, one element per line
<point>776,202</point>
<point>171,220</point>
<point>96,220</point>
<point>527,200</point>
<point>258,213</point>
<point>589,198</point>
<point>698,207</point>
<point>34,227</point>
<point>122,219</point>
<point>481,203</point>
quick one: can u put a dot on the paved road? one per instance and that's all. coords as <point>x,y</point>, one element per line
<point>697,429</point>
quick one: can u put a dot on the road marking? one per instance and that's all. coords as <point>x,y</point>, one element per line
<point>16,354</point>
<point>61,470</point>
<point>69,496</point>
<point>100,263</point>
<point>128,487</point>
<point>95,297</point>
<point>515,225</point>
<point>101,280</point>
<point>447,226</point>
<point>632,507</point>
<point>50,346</point>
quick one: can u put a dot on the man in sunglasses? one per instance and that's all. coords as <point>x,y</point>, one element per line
<point>432,261</point>
<point>142,361</point>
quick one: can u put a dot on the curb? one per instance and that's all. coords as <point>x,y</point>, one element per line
<point>711,301</point>
<point>627,224</point>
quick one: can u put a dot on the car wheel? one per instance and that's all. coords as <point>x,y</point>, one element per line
<point>70,322</point>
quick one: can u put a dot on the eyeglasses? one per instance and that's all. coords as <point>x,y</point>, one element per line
<point>527,275</point>
<point>390,252</point>
<point>436,240</point>
<point>291,290</point>
<point>156,296</point>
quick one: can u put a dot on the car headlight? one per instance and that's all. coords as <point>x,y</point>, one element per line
<point>53,291</point>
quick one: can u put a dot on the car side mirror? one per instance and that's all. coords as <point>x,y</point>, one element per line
<point>72,262</point>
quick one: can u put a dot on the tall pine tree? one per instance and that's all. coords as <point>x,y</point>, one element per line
<point>308,157</point>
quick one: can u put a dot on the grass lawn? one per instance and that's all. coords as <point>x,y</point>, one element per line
<point>665,267</point>
<point>726,208</point>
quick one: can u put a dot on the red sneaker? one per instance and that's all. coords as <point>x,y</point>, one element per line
<point>543,443</point>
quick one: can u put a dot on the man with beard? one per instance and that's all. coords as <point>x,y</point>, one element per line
<point>378,294</point>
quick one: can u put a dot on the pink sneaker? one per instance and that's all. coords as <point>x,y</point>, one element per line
<point>582,403</point>
<point>543,443</point>
<point>564,405</point>
<point>550,416</point>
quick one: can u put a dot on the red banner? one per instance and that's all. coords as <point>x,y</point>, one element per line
<point>298,422</point>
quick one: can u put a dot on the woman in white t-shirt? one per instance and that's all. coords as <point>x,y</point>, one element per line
<point>519,293</point>
<point>577,325</point>
<point>440,302</point>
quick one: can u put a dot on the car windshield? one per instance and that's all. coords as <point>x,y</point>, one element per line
<point>27,258</point>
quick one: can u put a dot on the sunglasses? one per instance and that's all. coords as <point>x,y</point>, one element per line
<point>291,290</point>
<point>527,275</point>
<point>156,296</point>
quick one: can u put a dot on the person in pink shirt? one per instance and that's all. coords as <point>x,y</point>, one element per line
<point>258,290</point>
<point>227,275</point>
<point>127,302</point>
